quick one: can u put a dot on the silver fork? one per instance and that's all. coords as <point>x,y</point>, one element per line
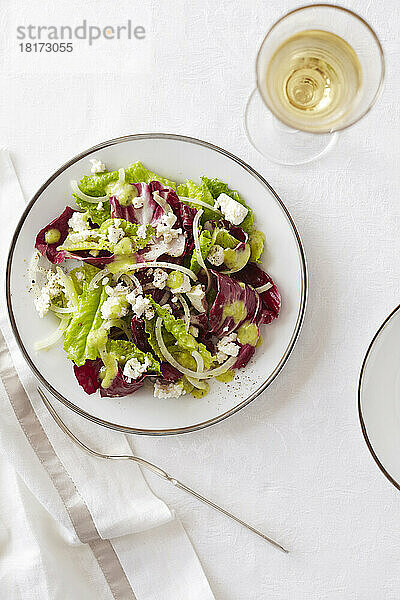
<point>155,469</point>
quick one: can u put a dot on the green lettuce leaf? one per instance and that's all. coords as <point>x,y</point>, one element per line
<point>80,341</point>
<point>96,185</point>
<point>94,243</point>
<point>256,241</point>
<point>83,275</point>
<point>217,187</point>
<point>124,350</point>
<point>95,215</point>
<point>225,239</point>
<point>184,340</point>
<point>199,192</point>
<point>150,329</point>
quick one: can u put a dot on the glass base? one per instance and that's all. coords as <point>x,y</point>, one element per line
<point>278,142</point>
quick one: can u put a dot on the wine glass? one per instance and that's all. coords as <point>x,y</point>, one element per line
<point>319,70</point>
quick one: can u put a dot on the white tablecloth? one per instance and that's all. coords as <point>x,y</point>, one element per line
<point>293,462</point>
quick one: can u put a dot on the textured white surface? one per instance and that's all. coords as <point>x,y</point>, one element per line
<point>294,462</point>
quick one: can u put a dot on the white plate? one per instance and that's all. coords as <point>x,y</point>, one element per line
<point>379,397</point>
<point>177,158</point>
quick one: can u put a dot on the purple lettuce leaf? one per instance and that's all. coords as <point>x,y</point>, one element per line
<point>149,214</point>
<point>88,375</point>
<point>253,275</point>
<point>139,335</point>
<point>232,297</point>
<point>185,216</point>
<point>122,385</point>
<point>57,256</point>
<point>50,250</point>
<point>169,373</point>
<point>246,352</point>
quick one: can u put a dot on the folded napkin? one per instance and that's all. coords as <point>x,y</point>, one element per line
<point>72,525</point>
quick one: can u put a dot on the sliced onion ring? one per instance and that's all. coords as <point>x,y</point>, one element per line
<point>144,265</point>
<point>78,192</point>
<point>264,288</point>
<point>199,256</point>
<point>188,372</point>
<point>162,202</point>
<point>51,339</point>
<point>200,385</point>
<point>199,361</point>
<point>200,203</point>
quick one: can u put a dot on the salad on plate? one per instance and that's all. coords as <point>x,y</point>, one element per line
<point>153,282</point>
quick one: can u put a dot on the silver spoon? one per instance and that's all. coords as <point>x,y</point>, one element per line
<point>151,467</point>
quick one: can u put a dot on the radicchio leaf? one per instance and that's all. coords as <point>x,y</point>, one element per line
<point>139,335</point>
<point>57,256</point>
<point>169,373</point>
<point>246,352</point>
<point>271,299</point>
<point>234,304</point>
<point>122,385</point>
<point>237,232</point>
<point>88,375</point>
<point>50,250</point>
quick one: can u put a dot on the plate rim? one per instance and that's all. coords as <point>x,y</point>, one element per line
<point>370,447</point>
<point>284,357</point>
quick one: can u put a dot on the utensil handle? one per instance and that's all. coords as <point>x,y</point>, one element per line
<point>189,490</point>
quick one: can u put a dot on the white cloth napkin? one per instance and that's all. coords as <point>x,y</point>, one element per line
<point>72,525</point>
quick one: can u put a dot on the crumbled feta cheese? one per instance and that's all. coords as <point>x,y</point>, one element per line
<point>140,305</point>
<point>159,278</point>
<point>216,255</point>
<point>115,233</point>
<point>99,206</point>
<point>113,308</point>
<point>137,202</point>
<point>78,222</point>
<point>133,368</point>
<point>196,296</point>
<point>50,290</point>
<point>105,280</point>
<point>174,299</point>
<point>97,166</point>
<point>232,209</point>
<point>221,356</point>
<point>142,231</point>
<point>185,286</point>
<point>165,228</point>
<point>194,330</point>
<point>168,390</point>
<point>227,347</point>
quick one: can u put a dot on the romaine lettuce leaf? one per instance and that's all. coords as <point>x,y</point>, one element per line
<point>123,350</point>
<point>96,215</point>
<point>177,328</point>
<point>79,340</point>
<point>217,187</point>
<point>95,243</point>
<point>199,192</point>
<point>256,241</point>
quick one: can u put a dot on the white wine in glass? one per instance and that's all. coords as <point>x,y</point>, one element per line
<point>319,69</point>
